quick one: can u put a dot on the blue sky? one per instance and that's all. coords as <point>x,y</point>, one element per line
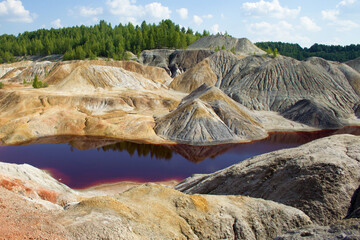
<point>305,22</point>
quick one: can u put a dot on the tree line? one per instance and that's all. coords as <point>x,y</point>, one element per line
<point>333,53</point>
<point>100,40</point>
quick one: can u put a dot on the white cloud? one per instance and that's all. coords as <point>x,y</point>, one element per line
<point>215,29</point>
<point>56,23</point>
<point>209,16</point>
<point>90,12</point>
<point>183,13</point>
<point>127,10</point>
<point>14,11</point>
<point>309,24</point>
<point>334,41</point>
<point>281,31</point>
<point>274,9</point>
<point>345,25</point>
<point>133,20</point>
<point>124,8</point>
<point>157,10</point>
<point>331,15</point>
<point>197,20</point>
<point>345,3</point>
<point>341,25</point>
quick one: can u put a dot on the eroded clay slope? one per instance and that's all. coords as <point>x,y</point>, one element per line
<point>278,84</point>
<point>241,46</point>
<point>25,71</point>
<point>217,70</point>
<point>319,177</point>
<point>174,62</point>
<point>94,98</point>
<point>162,213</point>
<point>208,116</point>
<point>29,208</point>
<point>355,64</point>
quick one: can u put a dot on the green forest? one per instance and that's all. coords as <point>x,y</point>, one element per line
<point>100,40</point>
<point>333,53</point>
<point>103,40</point>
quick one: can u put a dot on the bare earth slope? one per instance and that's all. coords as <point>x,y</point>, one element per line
<point>312,114</point>
<point>94,98</point>
<point>301,177</point>
<point>355,64</point>
<point>349,228</point>
<point>217,70</point>
<point>20,71</point>
<point>281,85</point>
<point>242,46</point>
<point>119,99</point>
<point>174,62</point>
<point>208,116</point>
<point>278,84</point>
<point>146,212</point>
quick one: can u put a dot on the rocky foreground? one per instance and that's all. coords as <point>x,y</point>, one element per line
<point>197,96</point>
<point>34,205</point>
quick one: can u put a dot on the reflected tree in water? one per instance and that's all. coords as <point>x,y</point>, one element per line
<point>155,151</point>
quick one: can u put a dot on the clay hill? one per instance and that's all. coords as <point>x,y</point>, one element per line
<point>208,116</point>
<point>281,85</point>
<point>160,97</point>
<point>281,176</point>
<point>240,46</point>
<point>175,62</point>
<point>355,64</point>
<point>85,98</point>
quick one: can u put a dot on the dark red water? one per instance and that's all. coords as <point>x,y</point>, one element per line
<point>143,162</point>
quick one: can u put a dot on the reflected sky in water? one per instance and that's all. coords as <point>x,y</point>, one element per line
<point>111,161</point>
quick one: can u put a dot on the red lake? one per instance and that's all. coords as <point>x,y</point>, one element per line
<point>81,162</point>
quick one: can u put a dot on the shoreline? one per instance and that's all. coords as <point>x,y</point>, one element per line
<point>299,137</point>
<point>66,138</point>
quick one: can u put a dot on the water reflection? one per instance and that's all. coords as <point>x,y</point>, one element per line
<point>142,150</point>
<point>84,161</point>
<point>195,154</point>
<point>305,137</point>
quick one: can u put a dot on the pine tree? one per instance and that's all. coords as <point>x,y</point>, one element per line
<point>268,51</point>
<point>36,83</point>
<point>100,40</point>
<point>275,52</point>
<point>80,53</point>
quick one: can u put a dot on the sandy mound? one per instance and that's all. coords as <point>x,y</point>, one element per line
<point>208,116</point>
<point>242,46</point>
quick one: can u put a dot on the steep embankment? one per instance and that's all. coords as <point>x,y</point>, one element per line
<point>281,176</point>
<point>208,116</point>
<point>174,62</point>
<point>194,78</point>
<point>25,71</point>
